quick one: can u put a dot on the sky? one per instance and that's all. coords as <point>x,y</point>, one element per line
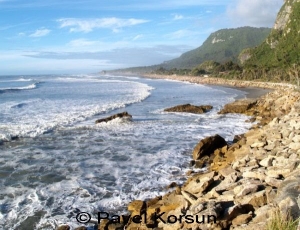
<point>88,36</point>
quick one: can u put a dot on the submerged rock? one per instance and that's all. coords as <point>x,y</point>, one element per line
<point>188,108</point>
<point>118,115</point>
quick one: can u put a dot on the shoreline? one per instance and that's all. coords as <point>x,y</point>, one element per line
<point>254,90</point>
<point>251,92</point>
<point>222,81</point>
<point>247,182</point>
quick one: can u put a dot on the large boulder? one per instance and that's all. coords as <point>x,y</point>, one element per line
<point>239,106</point>
<point>207,146</point>
<point>118,115</point>
<point>188,108</point>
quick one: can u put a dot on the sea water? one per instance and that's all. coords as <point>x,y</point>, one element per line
<point>55,161</point>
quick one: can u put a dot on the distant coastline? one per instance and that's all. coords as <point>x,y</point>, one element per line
<point>221,81</point>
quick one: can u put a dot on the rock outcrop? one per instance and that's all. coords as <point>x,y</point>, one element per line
<point>207,146</point>
<point>118,115</point>
<point>239,106</point>
<point>188,108</point>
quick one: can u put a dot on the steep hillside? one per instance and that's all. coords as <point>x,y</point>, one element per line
<point>281,49</point>
<point>221,46</point>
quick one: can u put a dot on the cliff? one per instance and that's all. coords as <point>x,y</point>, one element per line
<point>281,48</point>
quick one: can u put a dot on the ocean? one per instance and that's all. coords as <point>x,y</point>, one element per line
<point>55,161</point>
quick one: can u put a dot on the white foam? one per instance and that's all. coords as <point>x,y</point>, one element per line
<point>24,79</point>
<point>31,86</point>
<point>93,168</point>
<point>41,116</point>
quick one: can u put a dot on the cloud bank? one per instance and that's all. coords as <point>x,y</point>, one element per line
<point>257,13</point>
<point>88,25</point>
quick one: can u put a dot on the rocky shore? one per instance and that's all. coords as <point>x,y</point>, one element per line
<point>249,180</point>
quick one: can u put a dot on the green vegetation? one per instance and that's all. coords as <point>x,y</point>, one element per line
<point>280,51</point>
<point>221,46</point>
<point>278,222</point>
<point>229,53</point>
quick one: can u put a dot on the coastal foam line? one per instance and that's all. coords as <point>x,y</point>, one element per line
<point>12,89</point>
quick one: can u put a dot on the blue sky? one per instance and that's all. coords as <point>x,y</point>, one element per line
<point>85,36</point>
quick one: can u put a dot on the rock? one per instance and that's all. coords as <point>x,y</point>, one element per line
<point>237,138</point>
<point>241,219</point>
<point>207,146</point>
<point>227,171</point>
<point>118,115</point>
<point>245,189</point>
<point>228,183</point>
<point>277,172</point>
<point>225,186</point>
<point>234,146</point>
<point>296,139</point>
<point>289,208</point>
<point>136,207</point>
<point>288,196</point>
<point>188,108</point>
<point>189,197</point>
<point>198,184</point>
<point>273,182</point>
<point>63,227</point>
<point>267,161</point>
<point>236,210</point>
<point>263,213</point>
<point>258,199</point>
<point>258,144</point>
<point>294,146</point>
<point>172,185</point>
<point>239,106</point>
<point>80,228</point>
<point>256,175</point>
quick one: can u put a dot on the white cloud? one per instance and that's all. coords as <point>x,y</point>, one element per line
<point>88,25</point>
<point>177,17</point>
<point>181,34</point>
<point>137,37</point>
<point>16,62</point>
<point>40,33</point>
<point>254,13</point>
<point>81,42</point>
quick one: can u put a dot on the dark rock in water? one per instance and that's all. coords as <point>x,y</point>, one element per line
<point>118,115</point>
<point>188,108</point>
<point>237,138</point>
<point>239,106</point>
<point>207,146</point>
<point>172,185</point>
<point>81,228</point>
<point>63,227</point>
